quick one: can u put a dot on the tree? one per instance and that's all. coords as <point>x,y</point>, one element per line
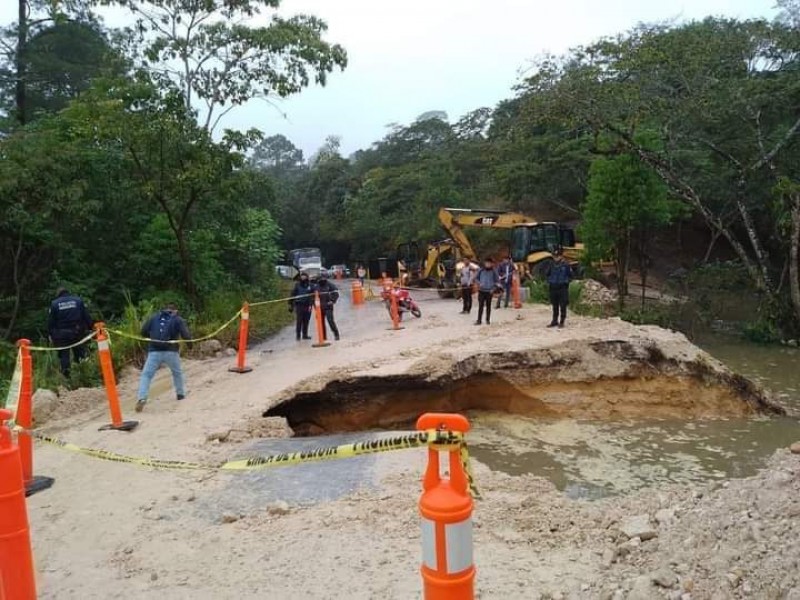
<point>276,155</point>
<point>719,92</point>
<point>626,201</point>
<point>21,48</point>
<point>206,50</point>
<point>175,163</point>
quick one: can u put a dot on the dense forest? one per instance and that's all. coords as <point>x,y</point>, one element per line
<point>116,180</point>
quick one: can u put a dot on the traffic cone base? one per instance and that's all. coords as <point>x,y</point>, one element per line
<point>240,369</point>
<point>320,344</point>
<point>39,483</point>
<point>124,426</point>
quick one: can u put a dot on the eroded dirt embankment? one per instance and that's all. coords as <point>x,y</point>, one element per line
<point>621,378</point>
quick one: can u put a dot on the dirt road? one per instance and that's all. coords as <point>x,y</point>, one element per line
<point>108,530</point>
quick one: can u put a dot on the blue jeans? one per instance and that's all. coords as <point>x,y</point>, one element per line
<point>154,361</point>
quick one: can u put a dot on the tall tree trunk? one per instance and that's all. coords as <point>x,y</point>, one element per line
<point>643,264</point>
<point>623,252</point>
<point>758,248</point>
<point>186,264</point>
<point>22,42</point>
<point>794,255</point>
<point>16,254</point>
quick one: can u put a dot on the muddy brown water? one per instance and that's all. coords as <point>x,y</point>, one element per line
<point>588,459</point>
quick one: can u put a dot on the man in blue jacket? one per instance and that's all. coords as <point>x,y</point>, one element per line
<point>488,281</point>
<point>558,276</point>
<point>68,322</point>
<point>164,329</point>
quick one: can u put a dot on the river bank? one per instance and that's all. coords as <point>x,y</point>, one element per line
<point>109,530</point>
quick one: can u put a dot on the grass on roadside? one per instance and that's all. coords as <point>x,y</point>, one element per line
<point>264,321</point>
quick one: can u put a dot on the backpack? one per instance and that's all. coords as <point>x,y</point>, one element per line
<point>161,329</point>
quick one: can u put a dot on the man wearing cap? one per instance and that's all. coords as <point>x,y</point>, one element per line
<point>68,322</point>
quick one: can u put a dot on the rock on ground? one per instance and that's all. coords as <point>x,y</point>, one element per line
<point>638,526</point>
<point>45,403</point>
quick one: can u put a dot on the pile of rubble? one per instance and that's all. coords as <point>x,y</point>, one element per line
<point>595,293</point>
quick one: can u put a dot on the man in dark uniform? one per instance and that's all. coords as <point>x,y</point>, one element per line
<point>328,295</point>
<point>302,302</point>
<point>67,323</point>
<point>559,275</point>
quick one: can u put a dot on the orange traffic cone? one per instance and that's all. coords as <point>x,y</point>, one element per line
<point>16,559</point>
<point>357,292</point>
<point>448,572</point>
<point>110,382</point>
<point>24,419</point>
<point>244,331</point>
<point>321,341</point>
<point>394,309</point>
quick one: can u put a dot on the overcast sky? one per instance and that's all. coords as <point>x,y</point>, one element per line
<point>409,57</point>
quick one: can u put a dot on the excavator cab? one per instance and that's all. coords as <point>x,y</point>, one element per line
<point>534,239</point>
<point>409,262</point>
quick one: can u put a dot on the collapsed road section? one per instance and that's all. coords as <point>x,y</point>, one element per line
<point>636,377</point>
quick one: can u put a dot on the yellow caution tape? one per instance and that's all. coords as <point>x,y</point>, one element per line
<point>265,302</point>
<point>214,333</point>
<point>473,487</point>
<point>56,349</point>
<point>442,440</point>
<point>14,390</point>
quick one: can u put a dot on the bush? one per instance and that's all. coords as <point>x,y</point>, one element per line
<point>762,331</point>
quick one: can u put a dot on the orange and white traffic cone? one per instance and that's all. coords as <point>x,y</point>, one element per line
<point>17,580</point>
<point>321,341</point>
<point>244,332</point>
<point>448,572</point>
<point>24,419</point>
<point>110,383</point>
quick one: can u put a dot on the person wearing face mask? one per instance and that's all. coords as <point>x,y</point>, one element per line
<point>302,302</point>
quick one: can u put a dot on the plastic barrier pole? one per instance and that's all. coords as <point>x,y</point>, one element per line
<point>16,559</point>
<point>395,311</point>
<point>515,291</point>
<point>321,342</point>
<point>25,420</point>
<point>448,572</point>
<point>110,382</point>
<point>244,330</point>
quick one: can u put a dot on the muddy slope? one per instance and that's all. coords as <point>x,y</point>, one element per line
<point>636,377</point>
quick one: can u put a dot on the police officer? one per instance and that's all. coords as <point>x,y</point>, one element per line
<point>301,303</point>
<point>328,295</point>
<point>68,322</point>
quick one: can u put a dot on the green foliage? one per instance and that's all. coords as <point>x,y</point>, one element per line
<point>761,331</point>
<point>224,59</point>
<point>539,293</point>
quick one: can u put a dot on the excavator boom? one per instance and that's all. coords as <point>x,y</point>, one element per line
<point>533,241</point>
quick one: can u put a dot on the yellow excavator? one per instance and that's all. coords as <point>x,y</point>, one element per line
<point>532,242</point>
<point>436,267</point>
